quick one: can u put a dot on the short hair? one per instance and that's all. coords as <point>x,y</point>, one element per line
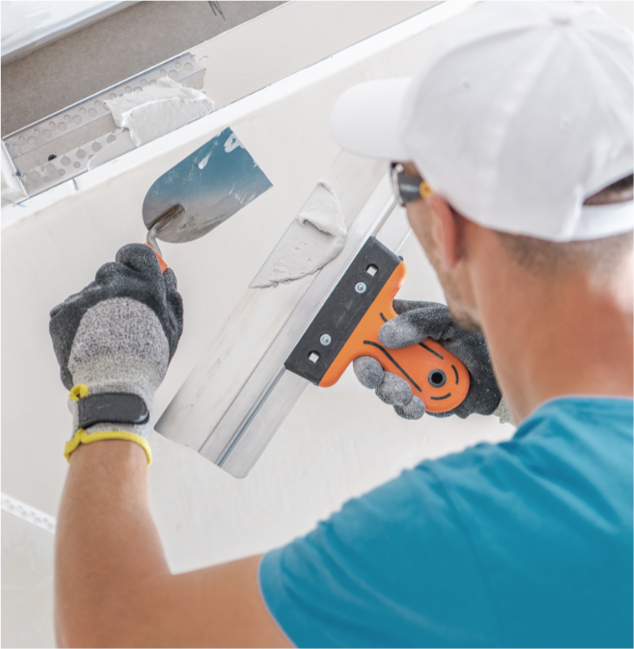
<point>602,255</point>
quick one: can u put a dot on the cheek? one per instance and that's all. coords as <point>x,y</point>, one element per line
<point>421,227</point>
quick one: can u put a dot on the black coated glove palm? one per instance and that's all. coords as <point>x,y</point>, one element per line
<point>416,322</point>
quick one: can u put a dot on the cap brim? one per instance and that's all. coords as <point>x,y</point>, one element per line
<point>366,119</point>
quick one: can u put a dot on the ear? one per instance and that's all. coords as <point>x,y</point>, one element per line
<point>447,231</point>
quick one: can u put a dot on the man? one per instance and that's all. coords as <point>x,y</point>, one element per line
<point>521,126</point>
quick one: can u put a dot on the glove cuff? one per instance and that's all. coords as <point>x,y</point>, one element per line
<point>503,413</point>
<point>120,428</point>
<point>82,437</point>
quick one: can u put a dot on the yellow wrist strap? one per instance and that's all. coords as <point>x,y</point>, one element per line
<point>80,391</point>
<point>82,437</point>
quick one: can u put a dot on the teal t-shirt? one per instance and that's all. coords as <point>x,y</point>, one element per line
<point>527,543</point>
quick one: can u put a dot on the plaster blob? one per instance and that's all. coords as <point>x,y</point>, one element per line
<point>232,143</point>
<point>314,238</point>
<point>158,109</point>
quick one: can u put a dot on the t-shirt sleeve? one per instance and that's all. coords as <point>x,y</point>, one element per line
<point>392,568</point>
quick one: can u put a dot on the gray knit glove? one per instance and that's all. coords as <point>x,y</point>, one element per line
<point>416,322</point>
<point>115,339</point>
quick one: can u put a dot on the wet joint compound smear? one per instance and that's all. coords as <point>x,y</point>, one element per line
<point>314,238</point>
<point>158,109</point>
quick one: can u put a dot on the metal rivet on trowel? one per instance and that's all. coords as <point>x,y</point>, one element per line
<point>360,287</point>
<point>325,340</point>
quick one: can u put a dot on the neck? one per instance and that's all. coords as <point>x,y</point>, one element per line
<point>557,336</point>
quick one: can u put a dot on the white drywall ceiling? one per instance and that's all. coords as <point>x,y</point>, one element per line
<point>27,26</point>
<point>118,47</point>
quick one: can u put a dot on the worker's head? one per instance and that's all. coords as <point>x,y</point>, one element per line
<point>520,123</point>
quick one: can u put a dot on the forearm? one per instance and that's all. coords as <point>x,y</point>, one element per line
<point>107,545</point>
<point>113,586</point>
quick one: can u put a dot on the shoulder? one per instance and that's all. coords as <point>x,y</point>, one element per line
<point>394,567</point>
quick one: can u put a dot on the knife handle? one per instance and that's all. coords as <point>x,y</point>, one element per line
<point>150,242</point>
<point>162,262</point>
<point>436,376</point>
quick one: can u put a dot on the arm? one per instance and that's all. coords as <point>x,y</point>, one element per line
<point>114,340</point>
<point>113,586</point>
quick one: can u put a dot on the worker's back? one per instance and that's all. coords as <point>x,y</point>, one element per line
<point>527,543</point>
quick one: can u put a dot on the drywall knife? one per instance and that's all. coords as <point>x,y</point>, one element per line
<point>348,324</point>
<point>235,439</point>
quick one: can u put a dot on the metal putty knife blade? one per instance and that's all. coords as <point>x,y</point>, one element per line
<point>211,184</point>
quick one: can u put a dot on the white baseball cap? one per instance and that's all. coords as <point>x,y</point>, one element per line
<point>522,111</point>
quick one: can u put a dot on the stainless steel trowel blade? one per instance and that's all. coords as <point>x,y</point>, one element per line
<point>211,184</point>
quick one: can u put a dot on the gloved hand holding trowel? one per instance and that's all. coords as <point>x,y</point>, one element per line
<point>115,338</point>
<point>114,341</point>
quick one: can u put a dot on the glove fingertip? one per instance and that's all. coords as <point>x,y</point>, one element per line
<point>403,306</point>
<point>108,269</point>
<point>368,371</point>
<point>139,257</point>
<point>398,333</point>
<point>413,410</point>
<point>394,390</point>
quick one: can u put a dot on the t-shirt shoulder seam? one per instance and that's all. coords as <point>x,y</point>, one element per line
<point>476,556</point>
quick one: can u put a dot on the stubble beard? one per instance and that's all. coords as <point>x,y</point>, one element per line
<point>456,302</point>
<point>456,305</point>
<point>462,319</point>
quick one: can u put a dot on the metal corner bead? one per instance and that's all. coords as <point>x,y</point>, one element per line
<point>28,514</point>
<point>60,147</point>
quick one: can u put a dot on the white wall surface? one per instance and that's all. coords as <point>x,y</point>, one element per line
<point>336,443</point>
<point>27,584</point>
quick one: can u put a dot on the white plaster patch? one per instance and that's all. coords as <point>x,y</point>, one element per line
<point>158,109</point>
<point>232,143</point>
<point>203,163</point>
<point>314,238</point>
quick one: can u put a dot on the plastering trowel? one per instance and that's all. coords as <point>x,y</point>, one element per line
<point>202,191</point>
<point>336,319</point>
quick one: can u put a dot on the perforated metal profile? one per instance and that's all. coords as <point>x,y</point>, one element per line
<point>60,147</point>
<point>12,188</point>
<point>28,514</point>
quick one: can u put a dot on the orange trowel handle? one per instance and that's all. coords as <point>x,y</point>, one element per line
<point>437,377</point>
<point>162,262</point>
